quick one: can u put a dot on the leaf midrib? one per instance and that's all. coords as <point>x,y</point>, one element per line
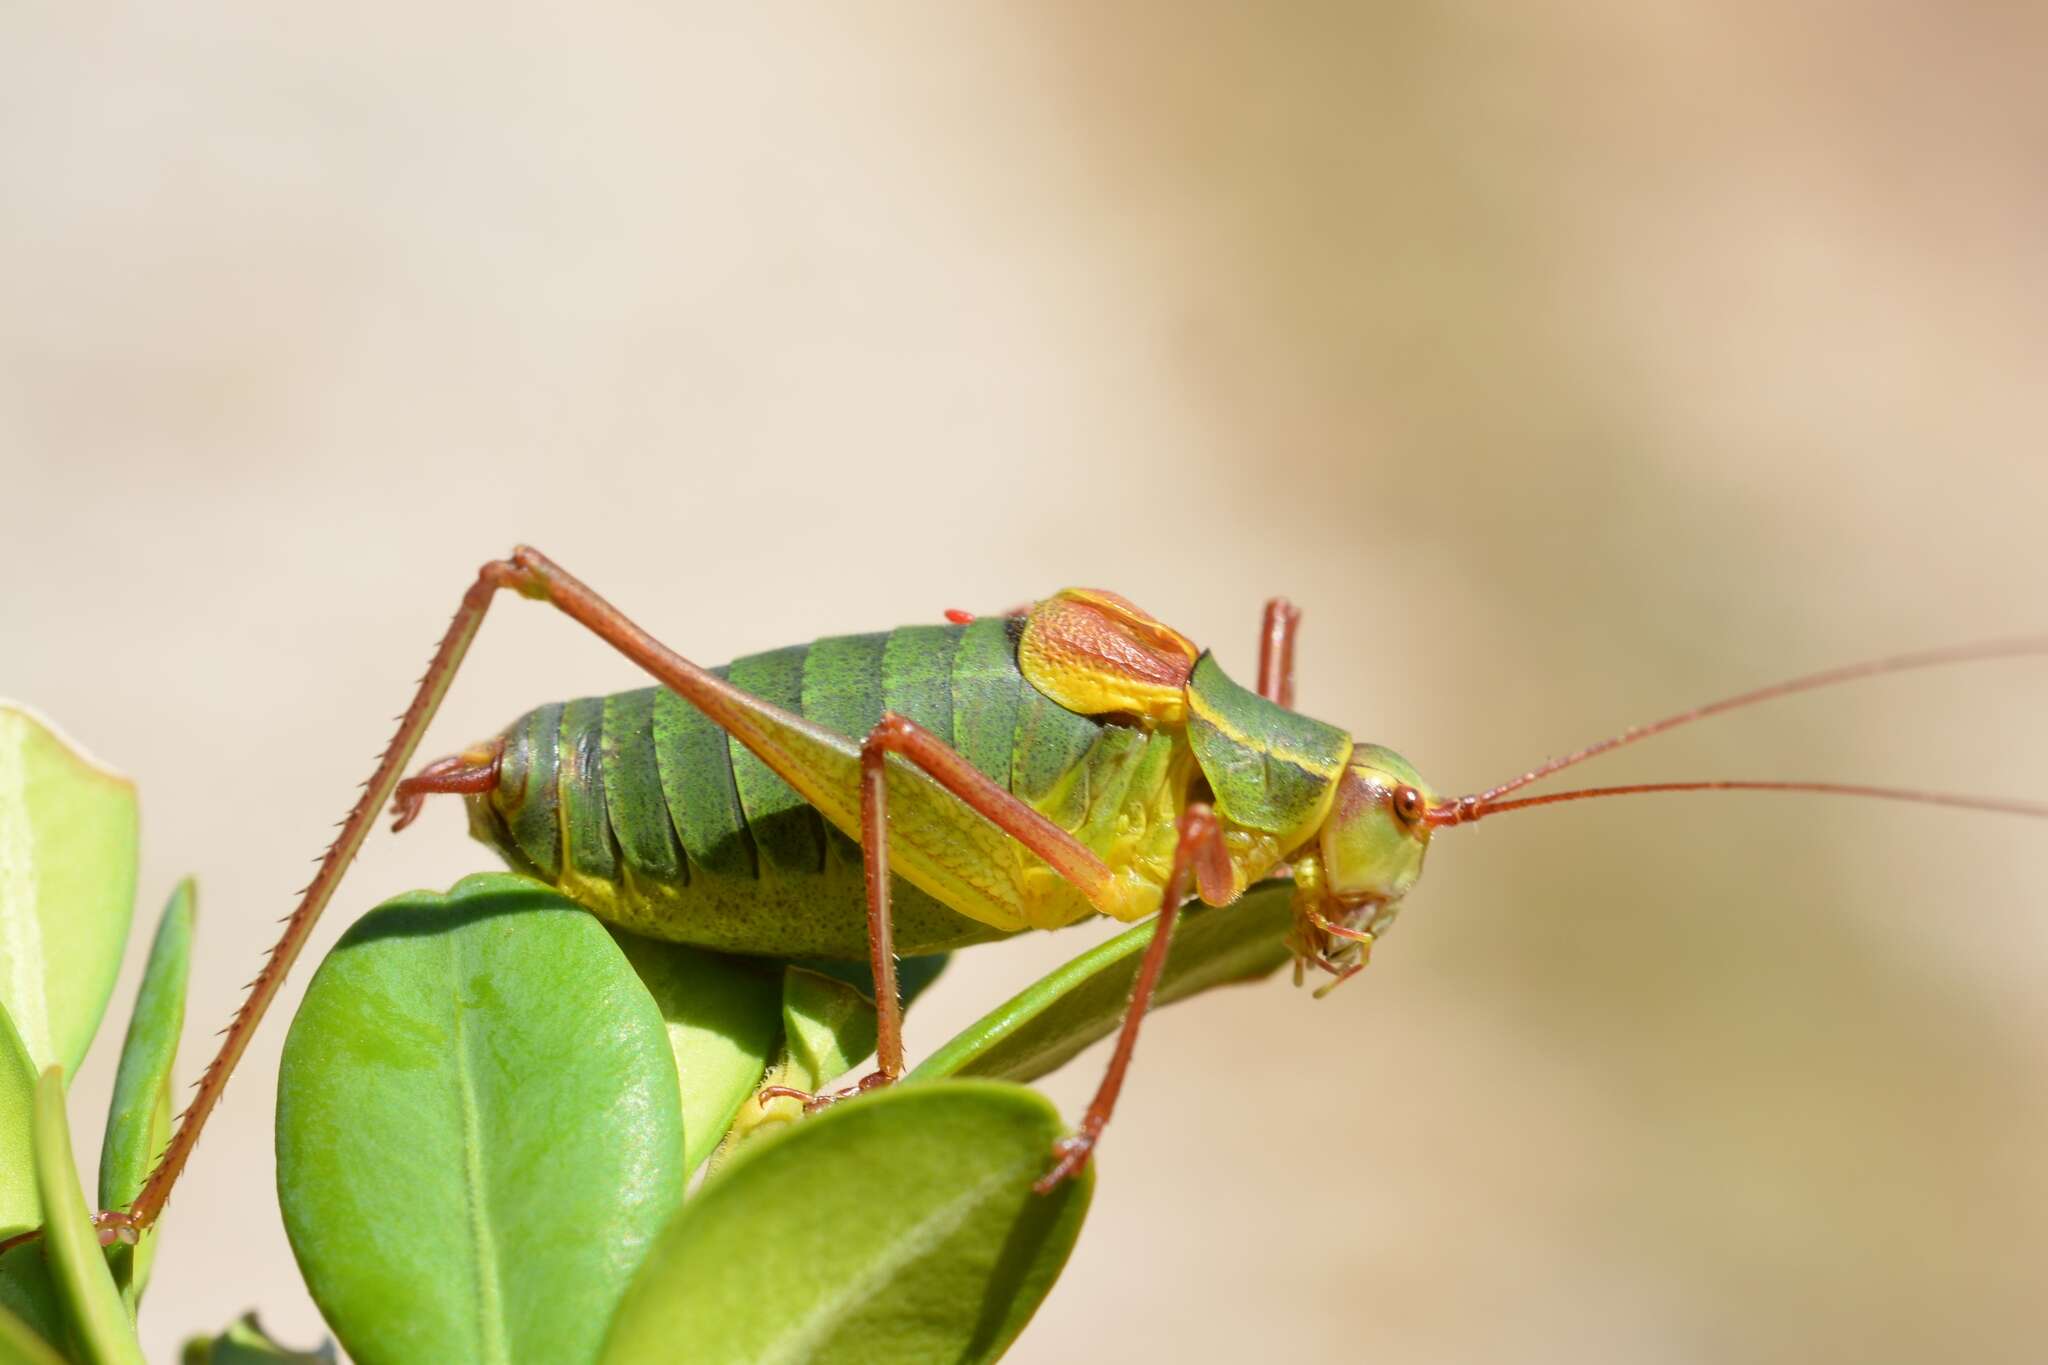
<point>491,1327</point>
<point>808,1332</point>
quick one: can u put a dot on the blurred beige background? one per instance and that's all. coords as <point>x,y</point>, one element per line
<point>1568,364</point>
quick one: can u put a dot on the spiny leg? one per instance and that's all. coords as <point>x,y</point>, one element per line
<point>1276,651</point>
<point>532,575</point>
<point>127,1225</point>
<point>1199,853</point>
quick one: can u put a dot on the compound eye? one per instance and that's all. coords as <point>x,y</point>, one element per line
<point>1408,805</point>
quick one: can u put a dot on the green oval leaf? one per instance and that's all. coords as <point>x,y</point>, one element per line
<point>139,1119</point>
<point>478,1128</point>
<point>100,1327</point>
<point>1043,1026</point>
<point>893,1227</point>
<point>722,1017</point>
<point>67,887</point>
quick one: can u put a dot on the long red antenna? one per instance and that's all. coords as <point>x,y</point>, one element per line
<point>1897,663</point>
<point>1472,808</point>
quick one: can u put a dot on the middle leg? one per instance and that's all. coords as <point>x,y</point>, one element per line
<point>899,735</point>
<point>1200,860</point>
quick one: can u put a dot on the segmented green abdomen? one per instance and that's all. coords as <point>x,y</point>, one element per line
<point>642,809</point>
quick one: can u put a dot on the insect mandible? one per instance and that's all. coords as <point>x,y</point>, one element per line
<point>941,785</point>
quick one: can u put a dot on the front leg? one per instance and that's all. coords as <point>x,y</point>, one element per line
<point>1200,855</point>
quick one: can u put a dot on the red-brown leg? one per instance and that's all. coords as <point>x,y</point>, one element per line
<point>530,574</point>
<point>1199,858</point>
<point>1200,852</point>
<point>899,735</point>
<point>1276,651</point>
<point>127,1225</point>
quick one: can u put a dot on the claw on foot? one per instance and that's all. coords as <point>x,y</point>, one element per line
<point>824,1099</point>
<point>113,1226</point>
<point>811,1103</point>
<point>1070,1154</point>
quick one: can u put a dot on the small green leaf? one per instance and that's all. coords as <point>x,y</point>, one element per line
<point>722,1016</point>
<point>138,1121</point>
<point>20,1345</point>
<point>99,1321</point>
<point>246,1343</point>
<point>21,1207</point>
<point>1041,1027</point>
<point>67,887</point>
<point>478,1128</point>
<point>828,1026</point>
<point>894,1227</point>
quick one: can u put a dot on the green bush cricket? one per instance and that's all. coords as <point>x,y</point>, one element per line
<point>941,785</point>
